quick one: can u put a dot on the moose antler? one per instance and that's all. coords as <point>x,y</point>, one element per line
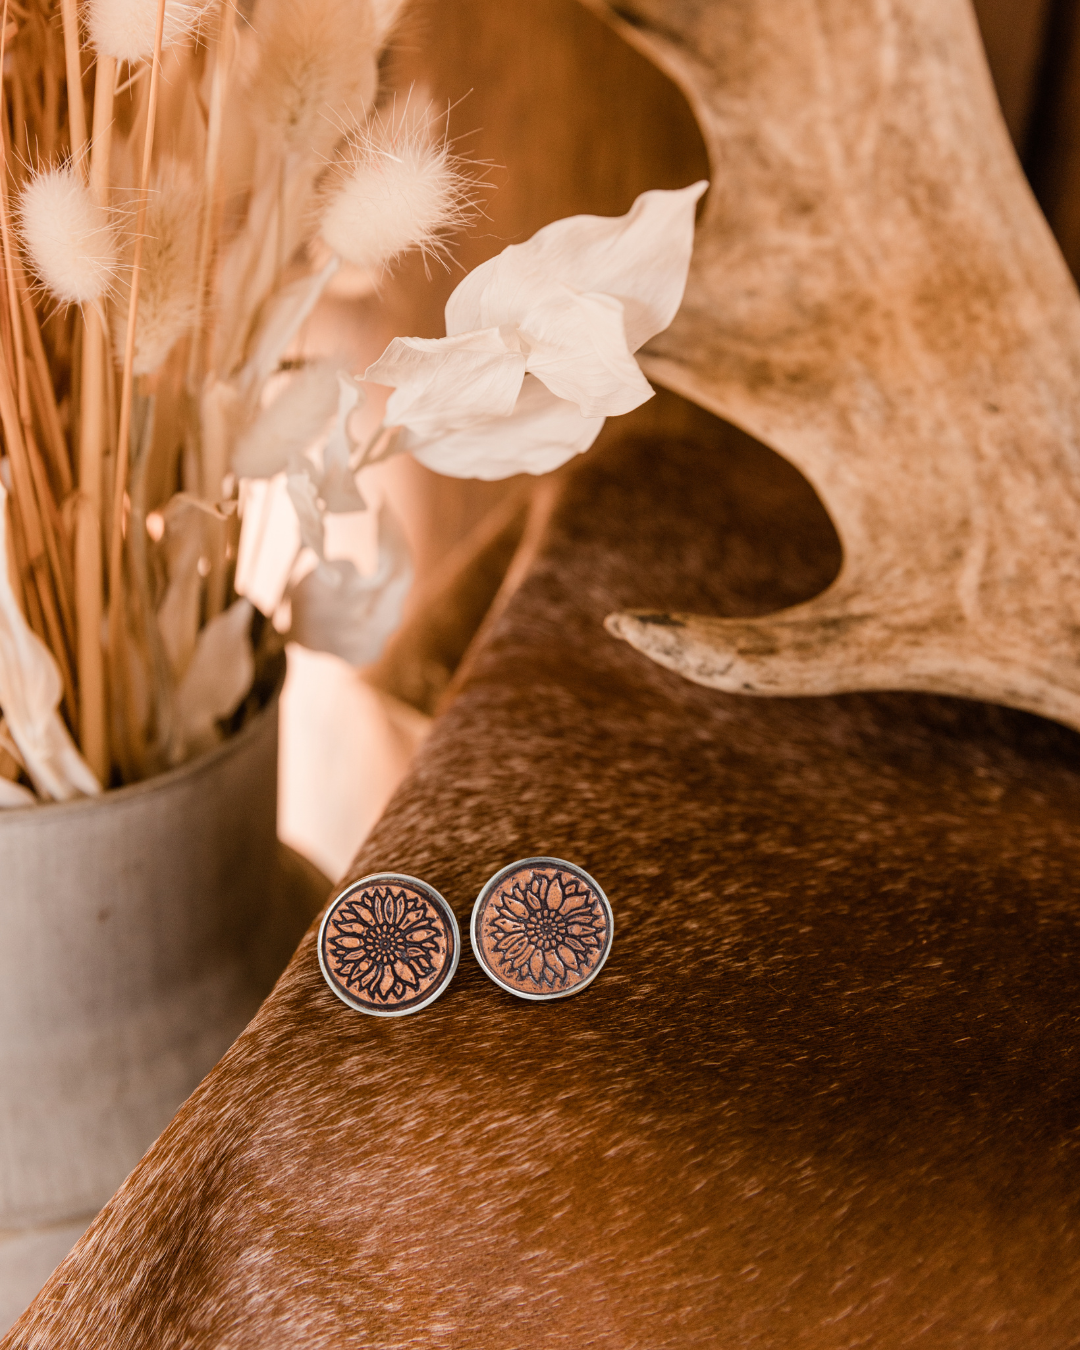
<point>876,295</point>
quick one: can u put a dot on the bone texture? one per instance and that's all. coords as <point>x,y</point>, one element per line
<point>876,295</point>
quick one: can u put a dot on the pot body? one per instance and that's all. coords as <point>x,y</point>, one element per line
<point>139,932</point>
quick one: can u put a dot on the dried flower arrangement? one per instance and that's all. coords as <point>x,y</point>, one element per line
<point>181,180</point>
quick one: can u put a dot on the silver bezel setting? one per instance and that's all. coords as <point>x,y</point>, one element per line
<point>438,900</point>
<point>493,881</point>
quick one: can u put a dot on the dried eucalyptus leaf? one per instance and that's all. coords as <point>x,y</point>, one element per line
<point>14,794</point>
<point>282,431</point>
<point>305,499</point>
<point>336,609</point>
<point>337,487</point>
<point>218,677</point>
<point>30,690</point>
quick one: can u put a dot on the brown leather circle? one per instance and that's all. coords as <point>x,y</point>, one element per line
<point>389,945</point>
<point>542,928</point>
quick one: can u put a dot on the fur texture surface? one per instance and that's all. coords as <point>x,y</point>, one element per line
<point>825,1092</point>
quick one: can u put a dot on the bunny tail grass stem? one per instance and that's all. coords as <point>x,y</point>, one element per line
<point>26,588</point>
<point>5,233</point>
<point>42,390</point>
<point>210,471</point>
<point>116,541</point>
<point>209,223</point>
<point>76,104</point>
<point>89,552</point>
<point>30,486</point>
<point>37,580</point>
<point>18,303</point>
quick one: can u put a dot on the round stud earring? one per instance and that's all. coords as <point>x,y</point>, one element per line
<point>389,945</point>
<point>542,928</point>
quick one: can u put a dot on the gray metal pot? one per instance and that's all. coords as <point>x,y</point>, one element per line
<point>139,931</point>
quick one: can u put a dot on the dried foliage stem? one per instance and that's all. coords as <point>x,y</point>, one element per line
<point>73,63</point>
<point>41,388</point>
<point>211,206</point>
<point>9,251</point>
<point>27,471</point>
<point>38,580</point>
<point>211,473</point>
<point>89,553</point>
<point>116,552</point>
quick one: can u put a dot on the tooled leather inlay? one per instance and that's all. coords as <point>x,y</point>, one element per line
<point>387,945</point>
<point>543,930</point>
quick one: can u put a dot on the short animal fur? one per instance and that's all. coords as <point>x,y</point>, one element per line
<point>825,1092</point>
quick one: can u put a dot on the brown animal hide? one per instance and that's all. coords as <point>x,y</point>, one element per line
<point>825,1092</point>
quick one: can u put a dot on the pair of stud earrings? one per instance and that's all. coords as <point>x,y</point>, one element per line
<point>541,929</point>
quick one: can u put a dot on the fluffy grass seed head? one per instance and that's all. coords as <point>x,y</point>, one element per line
<point>386,14</point>
<point>168,282</point>
<point>69,237</point>
<point>126,28</point>
<point>316,73</point>
<point>397,187</point>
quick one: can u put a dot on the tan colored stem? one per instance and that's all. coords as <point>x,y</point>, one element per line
<point>211,206</point>
<point>27,471</point>
<point>73,62</point>
<point>89,580</point>
<point>44,398</point>
<point>116,556</point>
<point>21,309</point>
<point>36,558</point>
<point>31,603</point>
<point>9,250</point>
<point>211,473</point>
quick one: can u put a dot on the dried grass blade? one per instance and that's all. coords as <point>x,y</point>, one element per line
<point>209,224</point>
<point>8,248</point>
<point>73,61</point>
<point>89,551</point>
<point>116,541</point>
<point>34,531</point>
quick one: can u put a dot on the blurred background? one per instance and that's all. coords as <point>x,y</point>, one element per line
<point>510,82</point>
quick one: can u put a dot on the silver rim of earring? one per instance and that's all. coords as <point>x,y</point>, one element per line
<point>536,943</point>
<point>389,945</point>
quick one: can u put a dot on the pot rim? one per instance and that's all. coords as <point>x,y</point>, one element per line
<point>160,782</point>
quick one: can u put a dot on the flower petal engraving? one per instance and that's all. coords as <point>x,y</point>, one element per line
<point>544,931</point>
<point>385,944</point>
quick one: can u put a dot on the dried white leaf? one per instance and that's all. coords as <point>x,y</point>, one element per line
<point>542,433</point>
<point>221,411</point>
<point>218,676</point>
<point>336,609</point>
<point>14,794</point>
<point>69,236</point>
<point>337,487</point>
<point>284,315</point>
<point>309,514</point>
<point>577,347</point>
<point>641,259</point>
<point>30,690</point>
<point>179,611</point>
<point>452,382</point>
<point>553,322</point>
<point>281,433</point>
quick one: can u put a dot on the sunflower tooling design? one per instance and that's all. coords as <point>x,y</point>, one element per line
<point>388,945</point>
<point>542,929</point>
